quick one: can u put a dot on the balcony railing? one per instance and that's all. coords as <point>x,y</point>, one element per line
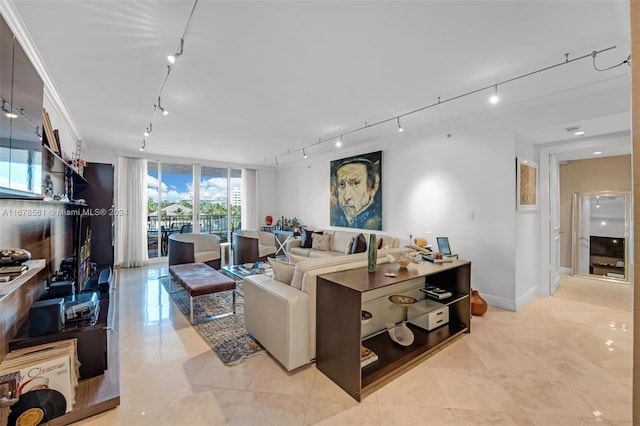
<point>216,224</point>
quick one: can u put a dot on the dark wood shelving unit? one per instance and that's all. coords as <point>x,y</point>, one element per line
<point>392,356</point>
<point>340,299</point>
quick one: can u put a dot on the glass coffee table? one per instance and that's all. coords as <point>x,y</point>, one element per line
<point>239,272</point>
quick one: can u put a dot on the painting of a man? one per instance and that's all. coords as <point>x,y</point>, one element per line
<point>356,191</point>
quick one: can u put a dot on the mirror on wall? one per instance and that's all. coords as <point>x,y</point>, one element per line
<point>21,93</point>
<point>600,231</point>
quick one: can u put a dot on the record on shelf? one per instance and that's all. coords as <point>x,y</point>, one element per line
<point>37,407</point>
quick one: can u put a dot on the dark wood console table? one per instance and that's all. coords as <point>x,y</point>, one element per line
<point>339,334</point>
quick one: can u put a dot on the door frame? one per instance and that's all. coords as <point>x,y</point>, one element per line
<point>628,271</point>
<point>550,205</point>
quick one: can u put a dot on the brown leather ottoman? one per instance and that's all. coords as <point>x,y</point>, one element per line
<point>199,279</point>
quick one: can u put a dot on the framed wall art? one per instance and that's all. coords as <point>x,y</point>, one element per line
<point>356,191</point>
<point>527,184</point>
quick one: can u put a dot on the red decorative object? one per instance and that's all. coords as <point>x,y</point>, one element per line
<point>478,304</point>
<point>268,220</point>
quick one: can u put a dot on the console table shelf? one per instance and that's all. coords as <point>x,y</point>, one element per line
<point>391,356</point>
<point>339,332</point>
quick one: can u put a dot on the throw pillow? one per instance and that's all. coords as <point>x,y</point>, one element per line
<point>296,281</point>
<point>282,271</point>
<point>379,243</point>
<point>321,242</point>
<point>349,246</point>
<point>359,244</point>
<point>307,240</point>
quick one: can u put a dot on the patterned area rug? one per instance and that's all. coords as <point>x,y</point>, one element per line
<point>226,336</point>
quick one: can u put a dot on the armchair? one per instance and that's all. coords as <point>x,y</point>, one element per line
<point>250,246</point>
<point>194,248</point>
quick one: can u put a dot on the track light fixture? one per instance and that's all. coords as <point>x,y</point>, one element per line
<point>277,164</point>
<point>8,112</point>
<point>159,107</point>
<point>494,99</point>
<point>304,153</point>
<point>172,58</point>
<point>143,145</point>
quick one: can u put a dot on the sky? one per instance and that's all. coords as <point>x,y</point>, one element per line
<point>173,185</point>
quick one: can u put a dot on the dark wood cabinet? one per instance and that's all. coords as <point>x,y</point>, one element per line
<point>92,342</point>
<point>99,198</point>
<point>341,296</point>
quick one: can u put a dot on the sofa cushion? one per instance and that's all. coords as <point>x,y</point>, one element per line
<point>282,271</point>
<point>321,242</point>
<point>359,244</point>
<point>340,241</point>
<point>323,254</point>
<point>299,251</point>
<point>295,258</point>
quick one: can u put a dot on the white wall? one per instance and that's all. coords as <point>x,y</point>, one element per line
<point>527,239</point>
<point>612,227</point>
<point>436,183</point>
<point>267,190</point>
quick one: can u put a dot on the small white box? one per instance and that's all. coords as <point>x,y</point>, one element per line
<point>428,314</point>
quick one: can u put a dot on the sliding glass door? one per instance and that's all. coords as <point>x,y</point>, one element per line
<point>220,201</point>
<point>175,204</point>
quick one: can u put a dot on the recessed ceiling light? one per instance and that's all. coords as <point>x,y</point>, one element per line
<point>575,130</point>
<point>597,152</point>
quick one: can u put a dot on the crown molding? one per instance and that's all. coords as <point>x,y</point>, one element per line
<point>17,26</point>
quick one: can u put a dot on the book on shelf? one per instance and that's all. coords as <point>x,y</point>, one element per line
<point>12,271</point>
<point>435,292</point>
<point>434,260</point>
<point>367,356</point>
<point>48,366</point>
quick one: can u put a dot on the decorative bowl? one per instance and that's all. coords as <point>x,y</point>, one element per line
<point>401,334</point>
<point>402,300</point>
<point>365,317</point>
<point>404,262</point>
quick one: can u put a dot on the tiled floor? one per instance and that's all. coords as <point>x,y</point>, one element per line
<point>563,360</point>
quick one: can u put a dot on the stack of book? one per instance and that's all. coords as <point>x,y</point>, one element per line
<point>10,272</point>
<point>367,356</point>
<point>436,293</point>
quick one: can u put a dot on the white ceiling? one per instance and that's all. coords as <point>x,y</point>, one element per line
<point>258,79</point>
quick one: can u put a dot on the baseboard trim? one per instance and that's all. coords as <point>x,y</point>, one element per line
<point>499,302</point>
<point>523,300</point>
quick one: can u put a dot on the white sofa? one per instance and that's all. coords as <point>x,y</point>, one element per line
<point>339,243</point>
<point>282,317</point>
<point>194,248</point>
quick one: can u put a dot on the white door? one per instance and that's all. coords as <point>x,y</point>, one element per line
<point>554,222</point>
<point>584,233</point>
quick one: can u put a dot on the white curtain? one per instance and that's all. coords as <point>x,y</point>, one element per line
<point>131,199</point>
<point>249,188</point>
